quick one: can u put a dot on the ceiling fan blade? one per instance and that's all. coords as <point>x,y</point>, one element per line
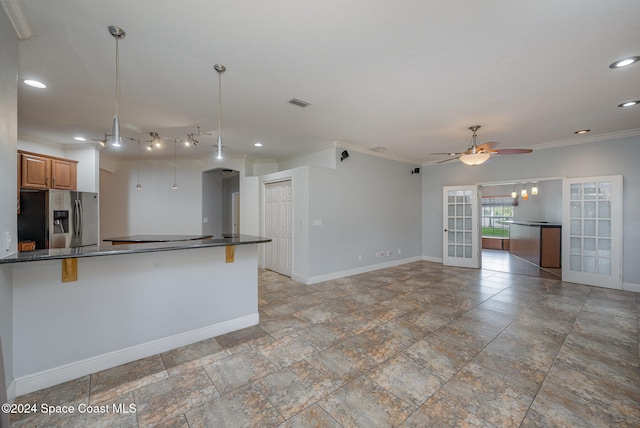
<point>487,146</point>
<point>447,160</point>
<point>511,151</point>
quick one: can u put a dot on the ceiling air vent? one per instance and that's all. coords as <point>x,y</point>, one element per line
<point>299,103</point>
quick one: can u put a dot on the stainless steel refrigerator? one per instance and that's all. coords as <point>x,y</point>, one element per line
<point>58,218</point>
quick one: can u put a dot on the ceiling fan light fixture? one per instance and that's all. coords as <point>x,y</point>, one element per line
<point>474,159</point>
<point>629,103</point>
<point>625,62</point>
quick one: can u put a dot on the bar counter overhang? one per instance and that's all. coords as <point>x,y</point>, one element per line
<point>128,302</point>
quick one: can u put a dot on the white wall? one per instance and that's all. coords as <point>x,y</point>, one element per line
<point>611,157</point>
<point>8,195</point>
<point>366,205</point>
<point>88,157</point>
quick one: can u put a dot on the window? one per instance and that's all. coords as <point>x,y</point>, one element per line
<point>496,210</point>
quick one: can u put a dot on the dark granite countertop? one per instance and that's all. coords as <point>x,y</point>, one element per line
<point>531,223</point>
<point>156,238</point>
<point>111,250</point>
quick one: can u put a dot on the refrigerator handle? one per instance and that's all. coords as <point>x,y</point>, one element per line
<point>78,218</point>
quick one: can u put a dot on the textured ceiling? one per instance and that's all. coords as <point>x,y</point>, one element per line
<point>409,76</point>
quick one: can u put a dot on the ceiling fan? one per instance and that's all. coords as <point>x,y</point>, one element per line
<point>477,154</point>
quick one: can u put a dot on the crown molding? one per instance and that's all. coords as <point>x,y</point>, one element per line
<point>17,15</point>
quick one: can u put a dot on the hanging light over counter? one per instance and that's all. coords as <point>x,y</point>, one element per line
<point>118,34</point>
<point>220,69</point>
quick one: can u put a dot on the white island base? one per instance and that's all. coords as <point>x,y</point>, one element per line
<point>125,307</point>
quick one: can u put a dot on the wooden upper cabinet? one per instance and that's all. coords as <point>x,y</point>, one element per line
<point>45,172</point>
<point>63,174</point>
<point>35,172</point>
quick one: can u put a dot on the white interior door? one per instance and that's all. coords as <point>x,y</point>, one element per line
<point>592,231</point>
<point>279,226</point>
<point>461,237</point>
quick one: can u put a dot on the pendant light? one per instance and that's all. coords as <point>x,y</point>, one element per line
<point>118,34</point>
<point>138,186</point>
<point>523,192</point>
<point>220,69</point>
<point>514,194</point>
<point>175,182</point>
<point>534,188</point>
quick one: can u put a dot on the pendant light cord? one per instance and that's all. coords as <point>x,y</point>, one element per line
<point>117,75</point>
<point>219,108</point>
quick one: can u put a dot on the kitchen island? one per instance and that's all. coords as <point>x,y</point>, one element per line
<point>128,302</point>
<point>535,241</point>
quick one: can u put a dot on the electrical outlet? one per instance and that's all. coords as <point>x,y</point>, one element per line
<point>205,220</point>
<point>388,253</point>
<point>399,250</point>
<point>8,239</point>
<point>359,257</point>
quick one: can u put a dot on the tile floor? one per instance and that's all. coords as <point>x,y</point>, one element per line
<point>418,345</point>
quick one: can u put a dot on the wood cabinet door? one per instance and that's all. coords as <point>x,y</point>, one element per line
<point>63,174</point>
<point>35,172</point>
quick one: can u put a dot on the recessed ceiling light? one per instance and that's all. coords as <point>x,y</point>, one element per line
<point>34,83</point>
<point>629,103</point>
<point>258,144</point>
<point>625,62</point>
<point>582,131</point>
<point>79,138</point>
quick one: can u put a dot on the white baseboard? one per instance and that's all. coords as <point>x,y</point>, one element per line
<point>629,286</point>
<point>57,375</point>
<point>432,259</point>
<point>11,392</point>
<point>350,272</point>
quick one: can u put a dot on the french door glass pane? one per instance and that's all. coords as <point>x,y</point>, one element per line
<point>605,190</point>
<point>589,228</point>
<point>589,209</point>
<point>576,192</point>
<point>604,228</point>
<point>604,265</point>
<point>576,227</point>
<point>604,209</point>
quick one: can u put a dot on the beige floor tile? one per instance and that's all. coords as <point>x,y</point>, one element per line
<point>244,407</point>
<point>172,397</point>
<point>363,403</point>
<point>116,381</point>
<point>296,387</point>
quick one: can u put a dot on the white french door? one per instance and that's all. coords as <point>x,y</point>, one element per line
<point>461,246</point>
<point>279,226</point>
<point>592,231</point>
